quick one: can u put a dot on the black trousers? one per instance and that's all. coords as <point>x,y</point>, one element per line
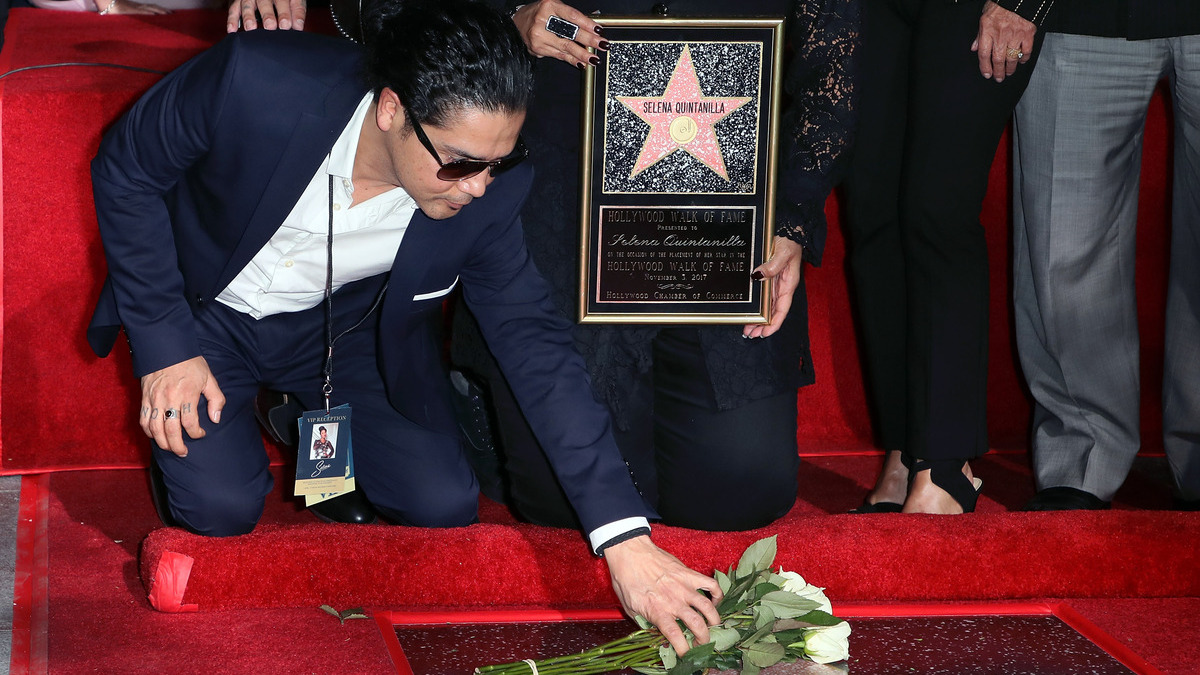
<point>928,129</point>
<point>695,465</point>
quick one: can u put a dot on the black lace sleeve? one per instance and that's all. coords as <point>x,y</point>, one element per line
<point>818,127</point>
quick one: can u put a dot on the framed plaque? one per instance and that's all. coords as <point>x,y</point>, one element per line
<point>680,121</point>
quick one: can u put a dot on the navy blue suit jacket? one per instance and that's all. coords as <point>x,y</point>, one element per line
<point>196,178</point>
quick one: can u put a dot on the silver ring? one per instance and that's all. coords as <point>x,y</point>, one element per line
<point>561,27</point>
<point>171,414</point>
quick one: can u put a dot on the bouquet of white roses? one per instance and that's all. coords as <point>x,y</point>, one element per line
<point>767,617</point>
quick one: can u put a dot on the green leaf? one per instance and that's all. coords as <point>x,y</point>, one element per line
<point>763,616</point>
<point>332,611</point>
<point>788,605</point>
<point>756,636</point>
<point>648,670</point>
<point>724,638</point>
<point>749,668</point>
<point>352,613</point>
<point>819,617</point>
<point>723,581</point>
<point>757,557</point>
<point>642,623</point>
<point>761,590</point>
<point>696,658</point>
<point>736,599</point>
<point>765,654</point>
<point>667,655</point>
<point>787,637</point>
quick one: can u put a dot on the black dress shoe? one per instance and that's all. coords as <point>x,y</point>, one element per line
<point>1181,504</point>
<point>351,508</point>
<point>278,412</point>
<point>1063,498</point>
<point>471,408</point>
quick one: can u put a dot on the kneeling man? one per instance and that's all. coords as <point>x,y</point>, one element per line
<point>288,210</point>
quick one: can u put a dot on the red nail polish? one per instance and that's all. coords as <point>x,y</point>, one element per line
<point>756,275</point>
<point>599,30</point>
<point>604,45</point>
<point>595,60</point>
<point>580,66</point>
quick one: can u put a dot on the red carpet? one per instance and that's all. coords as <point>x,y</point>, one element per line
<point>97,618</point>
<point>905,558</point>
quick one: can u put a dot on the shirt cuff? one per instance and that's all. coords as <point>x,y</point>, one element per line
<point>601,535</point>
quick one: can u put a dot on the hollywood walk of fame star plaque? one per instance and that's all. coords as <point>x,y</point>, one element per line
<point>680,123</point>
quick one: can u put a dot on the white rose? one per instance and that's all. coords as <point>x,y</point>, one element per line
<point>794,583</point>
<point>828,644</point>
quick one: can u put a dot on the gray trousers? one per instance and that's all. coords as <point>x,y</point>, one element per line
<point>1077,149</point>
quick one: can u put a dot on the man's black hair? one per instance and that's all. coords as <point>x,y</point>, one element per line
<point>441,56</point>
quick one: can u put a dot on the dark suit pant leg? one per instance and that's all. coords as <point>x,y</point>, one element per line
<point>685,455</point>
<point>719,470</point>
<point>920,174</point>
<point>411,475</point>
<point>219,488</point>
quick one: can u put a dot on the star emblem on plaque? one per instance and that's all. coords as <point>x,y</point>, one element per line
<point>682,119</point>
<point>679,154</point>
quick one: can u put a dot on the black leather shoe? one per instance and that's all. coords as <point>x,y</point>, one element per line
<point>278,412</point>
<point>158,494</point>
<point>1181,504</point>
<point>474,421</point>
<point>1063,498</point>
<point>351,508</point>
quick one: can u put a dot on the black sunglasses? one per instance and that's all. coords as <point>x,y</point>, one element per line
<point>461,169</point>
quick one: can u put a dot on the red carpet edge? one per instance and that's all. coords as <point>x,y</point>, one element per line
<point>884,558</point>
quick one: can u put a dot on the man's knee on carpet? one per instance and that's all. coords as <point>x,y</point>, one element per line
<point>218,513</point>
<point>427,502</point>
<point>455,515</point>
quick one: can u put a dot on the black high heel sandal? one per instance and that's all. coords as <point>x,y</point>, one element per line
<point>948,475</point>
<point>886,507</point>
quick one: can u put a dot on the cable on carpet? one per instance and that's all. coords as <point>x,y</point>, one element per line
<point>85,63</point>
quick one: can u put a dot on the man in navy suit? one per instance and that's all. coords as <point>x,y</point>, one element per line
<point>270,218</point>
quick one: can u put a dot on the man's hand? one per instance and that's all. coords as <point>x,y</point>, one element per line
<point>784,267</point>
<point>178,388</point>
<point>1005,40</point>
<point>531,22</point>
<point>281,14</point>
<point>653,584</point>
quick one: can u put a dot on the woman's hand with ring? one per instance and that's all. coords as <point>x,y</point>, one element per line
<point>544,25</point>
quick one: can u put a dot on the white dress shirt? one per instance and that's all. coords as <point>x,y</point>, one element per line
<point>288,274</point>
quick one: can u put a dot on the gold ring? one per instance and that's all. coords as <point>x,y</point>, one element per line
<point>1015,54</point>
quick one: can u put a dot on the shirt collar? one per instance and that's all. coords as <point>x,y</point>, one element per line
<point>341,156</point>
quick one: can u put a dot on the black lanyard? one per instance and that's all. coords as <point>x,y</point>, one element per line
<point>329,337</point>
<point>328,387</point>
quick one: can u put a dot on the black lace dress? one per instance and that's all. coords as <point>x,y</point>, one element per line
<point>815,137</point>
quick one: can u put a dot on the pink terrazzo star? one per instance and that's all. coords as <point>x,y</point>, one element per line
<point>682,119</point>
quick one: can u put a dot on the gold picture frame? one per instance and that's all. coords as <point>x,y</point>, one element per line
<point>679,154</point>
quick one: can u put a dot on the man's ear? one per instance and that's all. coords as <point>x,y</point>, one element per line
<point>388,110</point>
